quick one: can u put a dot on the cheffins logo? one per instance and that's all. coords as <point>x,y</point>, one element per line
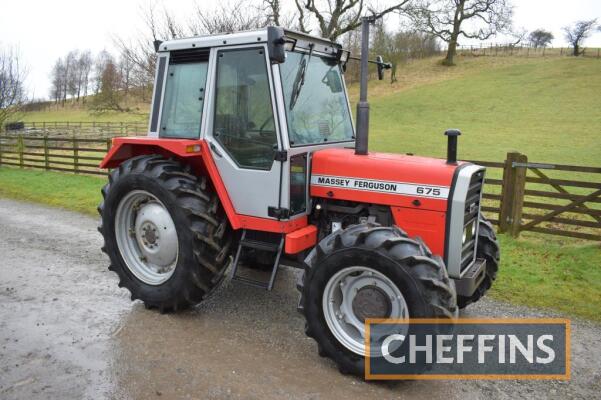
<point>467,349</point>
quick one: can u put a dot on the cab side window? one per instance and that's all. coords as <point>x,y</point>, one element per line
<point>244,122</point>
<point>184,94</point>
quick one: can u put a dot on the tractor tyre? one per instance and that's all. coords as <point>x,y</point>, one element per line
<point>488,249</point>
<point>375,272</point>
<point>166,235</point>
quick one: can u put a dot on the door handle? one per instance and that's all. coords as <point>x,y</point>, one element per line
<point>215,150</point>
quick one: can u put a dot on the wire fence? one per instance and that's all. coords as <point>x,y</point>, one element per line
<point>68,129</point>
<point>521,50</point>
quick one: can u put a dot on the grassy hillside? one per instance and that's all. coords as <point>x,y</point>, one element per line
<point>549,109</point>
<point>79,112</point>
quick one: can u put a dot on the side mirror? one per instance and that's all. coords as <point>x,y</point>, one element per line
<point>380,64</point>
<point>276,42</point>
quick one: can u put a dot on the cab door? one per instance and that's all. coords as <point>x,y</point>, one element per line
<point>242,129</point>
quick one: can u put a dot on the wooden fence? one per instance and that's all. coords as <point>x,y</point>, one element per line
<point>518,196</point>
<point>555,199</point>
<point>76,155</point>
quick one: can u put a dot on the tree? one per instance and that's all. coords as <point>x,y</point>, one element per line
<point>12,78</point>
<point>576,33</point>
<point>335,18</point>
<point>84,66</point>
<point>110,94</point>
<point>57,80</point>
<point>446,19</point>
<point>163,25</point>
<point>540,38</point>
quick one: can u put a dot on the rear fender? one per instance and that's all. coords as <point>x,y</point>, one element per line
<point>194,153</point>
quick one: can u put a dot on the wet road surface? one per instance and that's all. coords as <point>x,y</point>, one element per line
<point>68,332</point>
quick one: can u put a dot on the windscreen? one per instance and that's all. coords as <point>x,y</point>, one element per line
<point>316,103</point>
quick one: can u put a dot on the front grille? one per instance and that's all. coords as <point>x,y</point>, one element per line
<point>470,219</point>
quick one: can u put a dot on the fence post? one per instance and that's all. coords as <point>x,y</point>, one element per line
<point>75,155</point>
<point>506,192</point>
<point>20,150</point>
<point>46,153</point>
<point>519,186</point>
<point>0,150</point>
<point>512,194</point>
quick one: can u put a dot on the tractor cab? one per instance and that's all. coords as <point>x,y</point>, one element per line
<point>262,107</point>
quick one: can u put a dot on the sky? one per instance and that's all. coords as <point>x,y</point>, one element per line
<point>44,30</point>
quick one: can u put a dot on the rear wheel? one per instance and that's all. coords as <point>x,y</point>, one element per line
<point>165,233</point>
<point>488,249</point>
<point>369,271</point>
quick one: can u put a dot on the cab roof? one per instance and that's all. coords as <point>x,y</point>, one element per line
<point>321,45</point>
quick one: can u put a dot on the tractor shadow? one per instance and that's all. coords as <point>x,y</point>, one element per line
<point>241,342</point>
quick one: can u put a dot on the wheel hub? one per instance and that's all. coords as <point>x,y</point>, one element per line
<point>355,294</point>
<point>146,237</point>
<point>149,235</point>
<point>371,302</point>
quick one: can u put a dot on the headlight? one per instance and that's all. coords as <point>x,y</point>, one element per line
<point>464,237</point>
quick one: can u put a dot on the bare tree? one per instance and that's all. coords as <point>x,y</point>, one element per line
<point>56,80</point>
<point>126,67</point>
<point>446,19</point>
<point>239,16</point>
<point>540,38</point>
<point>162,25</point>
<point>576,33</point>
<point>274,11</point>
<point>110,95</point>
<point>84,66</point>
<point>12,77</point>
<point>72,82</point>
<point>102,60</point>
<point>335,18</point>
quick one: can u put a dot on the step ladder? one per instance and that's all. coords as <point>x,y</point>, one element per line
<point>258,244</point>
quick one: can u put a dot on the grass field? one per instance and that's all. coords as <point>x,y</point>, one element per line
<point>547,108</point>
<point>80,113</point>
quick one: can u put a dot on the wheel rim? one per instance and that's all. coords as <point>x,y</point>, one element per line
<point>354,294</point>
<point>146,237</point>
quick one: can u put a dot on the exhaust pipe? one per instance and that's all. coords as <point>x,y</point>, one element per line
<point>361,140</point>
<point>452,145</point>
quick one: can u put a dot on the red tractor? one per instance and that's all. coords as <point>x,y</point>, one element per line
<point>252,158</point>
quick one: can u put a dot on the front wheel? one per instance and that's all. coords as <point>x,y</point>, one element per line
<point>165,233</point>
<point>369,271</point>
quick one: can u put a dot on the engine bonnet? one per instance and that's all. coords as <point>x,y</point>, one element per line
<point>382,178</point>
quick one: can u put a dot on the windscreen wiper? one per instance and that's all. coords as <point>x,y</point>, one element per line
<point>299,80</point>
